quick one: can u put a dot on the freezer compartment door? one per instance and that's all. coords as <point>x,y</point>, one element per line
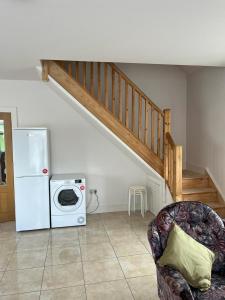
<point>32,203</point>
<point>30,152</point>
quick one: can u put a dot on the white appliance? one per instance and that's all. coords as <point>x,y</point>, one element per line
<point>68,203</point>
<point>31,178</point>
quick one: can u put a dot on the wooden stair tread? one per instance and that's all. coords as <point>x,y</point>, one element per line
<point>215,204</point>
<point>198,191</point>
<point>188,174</point>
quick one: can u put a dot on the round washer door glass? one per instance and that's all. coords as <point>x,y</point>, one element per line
<point>68,198</point>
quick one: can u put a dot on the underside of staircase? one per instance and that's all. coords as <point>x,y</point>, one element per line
<point>105,91</point>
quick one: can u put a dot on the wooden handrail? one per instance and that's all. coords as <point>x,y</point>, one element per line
<point>121,97</point>
<point>170,140</point>
<point>129,107</point>
<point>61,75</point>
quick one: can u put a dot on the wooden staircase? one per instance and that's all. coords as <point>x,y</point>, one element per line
<point>200,187</point>
<point>129,113</point>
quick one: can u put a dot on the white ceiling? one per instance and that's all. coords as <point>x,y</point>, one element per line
<point>177,32</point>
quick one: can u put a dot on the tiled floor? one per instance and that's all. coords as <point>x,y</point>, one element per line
<point>108,259</point>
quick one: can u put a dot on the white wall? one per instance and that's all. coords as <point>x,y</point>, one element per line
<point>76,145</point>
<point>166,86</point>
<point>206,122</point>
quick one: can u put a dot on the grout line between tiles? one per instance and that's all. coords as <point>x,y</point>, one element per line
<point>12,253</point>
<point>44,264</point>
<point>82,266</point>
<point>121,267</point>
<point>30,292</point>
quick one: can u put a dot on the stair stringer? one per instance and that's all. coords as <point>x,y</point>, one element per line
<point>158,194</point>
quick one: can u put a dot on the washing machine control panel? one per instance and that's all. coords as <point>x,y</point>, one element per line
<point>78,180</point>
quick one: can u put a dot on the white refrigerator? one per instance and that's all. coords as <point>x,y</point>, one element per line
<point>31,178</point>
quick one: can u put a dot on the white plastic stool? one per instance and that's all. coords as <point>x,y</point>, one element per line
<point>141,192</point>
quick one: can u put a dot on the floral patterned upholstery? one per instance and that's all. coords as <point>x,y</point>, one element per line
<point>205,226</point>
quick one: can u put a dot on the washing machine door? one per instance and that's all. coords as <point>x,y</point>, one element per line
<point>68,198</point>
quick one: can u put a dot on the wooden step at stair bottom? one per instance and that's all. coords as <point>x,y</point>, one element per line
<point>191,174</point>
<point>194,180</point>
<point>199,194</point>
<point>201,182</point>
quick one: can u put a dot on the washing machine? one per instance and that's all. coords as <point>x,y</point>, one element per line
<point>68,203</point>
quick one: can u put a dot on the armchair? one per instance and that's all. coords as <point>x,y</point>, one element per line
<point>205,226</point>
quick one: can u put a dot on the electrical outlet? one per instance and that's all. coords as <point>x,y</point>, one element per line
<point>93,191</point>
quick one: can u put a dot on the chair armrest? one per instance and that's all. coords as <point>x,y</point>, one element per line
<point>172,284</point>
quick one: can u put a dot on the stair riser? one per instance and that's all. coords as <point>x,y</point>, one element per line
<point>203,197</point>
<point>195,183</point>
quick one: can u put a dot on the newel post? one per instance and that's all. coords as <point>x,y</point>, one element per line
<point>45,72</point>
<point>177,188</point>
<point>166,128</point>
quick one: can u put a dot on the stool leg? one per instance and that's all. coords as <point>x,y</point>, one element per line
<point>146,200</point>
<point>142,205</point>
<point>129,202</point>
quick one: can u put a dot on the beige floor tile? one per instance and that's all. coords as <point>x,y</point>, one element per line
<point>1,275</point>
<point>93,236</point>
<point>26,296</point>
<point>144,287</point>
<point>142,236</point>
<point>113,290</point>
<point>8,226</point>
<point>70,293</point>
<point>97,251</point>
<point>117,226</point>
<point>110,220</point>
<point>115,215</point>
<point>7,235</point>
<point>21,281</point>
<point>62,276</point>
<point>35,233</point>
<point>145,242</point>
<point>105,270</point>
<point>140,229</point>
<point>129,248</point>
<point>117,236</point>
<point>137,265</point>
<point>97,225</point>
<point>8,246</point>
<point>32,242</point>
<point>63,255</point>
<point>4,260</point>
<point>138,218</point>
<point>94,219</point>
<point>63,239</point>
<point>27,259</point>
<point>67,230</point>
<point>98,229</point>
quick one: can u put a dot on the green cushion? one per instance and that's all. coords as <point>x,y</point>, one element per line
<point>192,259</point>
